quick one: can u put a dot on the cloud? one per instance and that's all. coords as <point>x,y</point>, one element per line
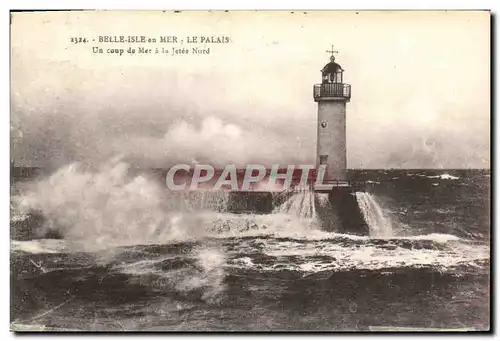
<point>251,101</point>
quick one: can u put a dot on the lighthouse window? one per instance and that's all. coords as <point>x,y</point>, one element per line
<point>322,159</point>
<point>324,124</point>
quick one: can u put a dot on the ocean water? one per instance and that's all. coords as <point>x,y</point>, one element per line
<point>116,252</point>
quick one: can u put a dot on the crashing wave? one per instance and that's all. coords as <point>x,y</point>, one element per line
<point>378,224</point>
<point>330,256</point>
<point>107,210</point>
<point>444,176</point>
<point>40,246</point>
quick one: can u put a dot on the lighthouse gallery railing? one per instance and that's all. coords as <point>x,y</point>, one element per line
<point>332,90</point>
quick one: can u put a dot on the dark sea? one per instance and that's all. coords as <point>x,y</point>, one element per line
<point>106,251</point>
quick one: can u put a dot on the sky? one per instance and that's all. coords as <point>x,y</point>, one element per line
<point>420,88</point>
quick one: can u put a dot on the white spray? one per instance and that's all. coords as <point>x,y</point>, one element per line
<point>300,204</point>
<point>379,225</point>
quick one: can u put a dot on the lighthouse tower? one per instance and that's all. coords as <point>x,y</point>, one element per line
<point>332,95</point>
<point>342,213</point>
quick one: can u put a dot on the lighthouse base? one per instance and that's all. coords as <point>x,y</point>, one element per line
<point>340,212</point>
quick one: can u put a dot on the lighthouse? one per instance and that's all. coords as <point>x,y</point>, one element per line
<point>342,213</point>
<point>332,96</point>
